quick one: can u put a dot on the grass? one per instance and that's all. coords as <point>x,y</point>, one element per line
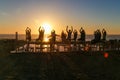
<point>57,66</point>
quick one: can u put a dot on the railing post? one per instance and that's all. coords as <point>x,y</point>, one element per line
<point>16,36</point>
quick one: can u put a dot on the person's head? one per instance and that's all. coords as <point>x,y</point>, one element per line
<point>103,29</point>
<point>53,31</point>
<point>97,30</point>
<point>75,30</point>
<point>69,30</point>
<point>27,28</point>
<point>40,27</point>
<point>82,28</point>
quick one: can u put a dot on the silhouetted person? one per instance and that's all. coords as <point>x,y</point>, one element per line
<point>104,33</point>
<point>28,34</point>
<point>63,36</point>
<point>52,39</point>
<point>69,33</point>
<point>28,37</point>
<point>75,34</point>
<point>53,36</point>
<point>41,34</point>
<point>97,36</point>
<point>83,34</point>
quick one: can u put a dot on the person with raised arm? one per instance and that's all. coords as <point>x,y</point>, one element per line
<point>104,33</point>
<point>63,36</point>
<point>82,34</point>
<point>75,35</point>
<point>39,30</point>
<point>98,35</point>
<point>69,31</point>
<point>28,37</point>
<point>28,34</point>
<point>41,33</point>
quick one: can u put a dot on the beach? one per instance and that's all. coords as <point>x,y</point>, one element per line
<point>60,66</point>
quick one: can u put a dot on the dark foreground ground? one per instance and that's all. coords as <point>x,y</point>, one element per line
<point>57,66</point>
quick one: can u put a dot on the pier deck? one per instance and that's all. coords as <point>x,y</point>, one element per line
<point>58,46</point>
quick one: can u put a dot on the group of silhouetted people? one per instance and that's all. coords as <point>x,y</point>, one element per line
<point>98,35</point>
<point>68,37</point>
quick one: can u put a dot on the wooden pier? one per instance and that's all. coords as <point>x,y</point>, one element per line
<point>58,46</point>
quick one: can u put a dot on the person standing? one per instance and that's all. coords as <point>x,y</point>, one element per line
<point>69,32</point>
<point>83,34</point>
<point>75,35</point>
<point>52,39</point>
<point>41,34</point>
<point>28,34</point>
<point>63,36</point>
<point>104,33</point>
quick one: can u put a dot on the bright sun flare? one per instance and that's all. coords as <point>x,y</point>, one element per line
<point>47,28</point>
<point>46,39</point>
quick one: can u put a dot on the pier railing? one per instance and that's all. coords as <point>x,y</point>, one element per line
<point>69,46</point>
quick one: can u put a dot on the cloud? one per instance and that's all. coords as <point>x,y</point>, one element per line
<point>3,13</point>
<point>18,10</point>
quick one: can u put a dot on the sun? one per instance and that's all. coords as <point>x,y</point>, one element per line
<point>47,28</point>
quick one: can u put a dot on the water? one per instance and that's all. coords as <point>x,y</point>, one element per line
<point>35,36</point>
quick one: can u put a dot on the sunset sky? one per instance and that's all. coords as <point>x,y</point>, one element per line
<point>16,15</point>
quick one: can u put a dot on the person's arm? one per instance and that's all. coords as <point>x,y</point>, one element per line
<point>80,29</point>
<point>49,36</point>
<point>57,35</point>
<point>26,29</point>
<point>84,31</point>
<point>39,28</point>
<point>43,29</point>
<point>67,29</point>
<point>103,30</point>
<point>30,30</point>
<point>71,29</point>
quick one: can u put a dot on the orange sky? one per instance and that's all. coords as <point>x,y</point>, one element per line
<point>17,15</point>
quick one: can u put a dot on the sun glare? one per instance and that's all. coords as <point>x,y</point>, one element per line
<point>47,28</point>
<point>46,39</point>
